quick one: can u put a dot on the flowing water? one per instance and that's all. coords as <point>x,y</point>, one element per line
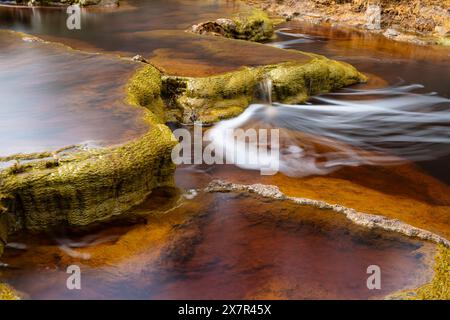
<point>358,147</point>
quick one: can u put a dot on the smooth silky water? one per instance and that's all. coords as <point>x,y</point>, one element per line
<point>52,97</point>
<point>229,245</point>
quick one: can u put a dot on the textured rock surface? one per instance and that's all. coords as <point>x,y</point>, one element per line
<point>421,22</point>
<point>255,26</point>
<point>7,293</point>
<point>77,187</point>
<point>209,99</point>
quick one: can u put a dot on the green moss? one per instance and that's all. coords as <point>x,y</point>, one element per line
<point>294,83</point>
<point>439,287</point>
<point>81,187</point>
<point>210,99</point>
<point>255,26</point>
<point>144,89</point>
<point>7,293</point>
<point>444,41</point>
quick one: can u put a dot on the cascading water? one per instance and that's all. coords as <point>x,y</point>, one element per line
<point>349,128</point>
<point>265,90</point>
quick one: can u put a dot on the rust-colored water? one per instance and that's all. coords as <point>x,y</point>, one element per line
<point>228,246</point>
<point>221,245</point>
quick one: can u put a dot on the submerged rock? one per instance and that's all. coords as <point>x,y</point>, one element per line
<point>210,99</point>
<point>366,220</point>
<point>255,26</point>
<point>7,293</point>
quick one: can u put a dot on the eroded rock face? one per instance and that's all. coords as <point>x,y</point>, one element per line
<point>256,26</point>
<point>438,288</point>
<point>210,99</point>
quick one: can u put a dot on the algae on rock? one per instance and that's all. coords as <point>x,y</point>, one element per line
<point>439,287</point>
<point>210,99</point>
<point>7,293</point>
<point>84,186</point>
<point>255,26</point>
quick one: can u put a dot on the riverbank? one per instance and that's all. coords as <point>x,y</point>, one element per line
<point>419,22</point>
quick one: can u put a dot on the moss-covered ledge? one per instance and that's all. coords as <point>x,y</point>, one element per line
<point>77,187</point>
<point>8,293</point>
<point>438,288</point>
<point>253,26</point>
<point>210,99</point>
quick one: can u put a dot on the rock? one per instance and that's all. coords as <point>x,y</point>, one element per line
<point>139,58</point>
<point>7,293</point>
<point>227,24</point>
<point>441,31</point>
<point>389,33</point>
<point>373,17</point>
<point>359,218</point>
<point>88,186</point>
<point>226,95</point>
<point>255,26</point>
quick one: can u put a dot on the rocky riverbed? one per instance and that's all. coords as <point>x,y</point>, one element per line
<point>420,22</point>
<point>120,207</point>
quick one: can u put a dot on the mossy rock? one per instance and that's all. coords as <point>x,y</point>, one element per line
<point>83,3</point>
<point>253,26</point>
<point>210,99</point>
<point>80,187</point>
<point>7,293</point>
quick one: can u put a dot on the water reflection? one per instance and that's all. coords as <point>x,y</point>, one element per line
<point>52,97</point>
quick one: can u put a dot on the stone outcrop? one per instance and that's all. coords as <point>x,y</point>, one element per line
<point>255,26</point>
<point>77,187</point>
<point>210,99</point>
<point>7,293</point>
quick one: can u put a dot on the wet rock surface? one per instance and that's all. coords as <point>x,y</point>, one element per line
<point>255,26</point>
<point>210,99</point>
<point>81,184</point>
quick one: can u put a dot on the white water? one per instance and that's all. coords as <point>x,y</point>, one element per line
<point>383,127</point>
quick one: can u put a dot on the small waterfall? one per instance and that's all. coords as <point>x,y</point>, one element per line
<point>265,90</point>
